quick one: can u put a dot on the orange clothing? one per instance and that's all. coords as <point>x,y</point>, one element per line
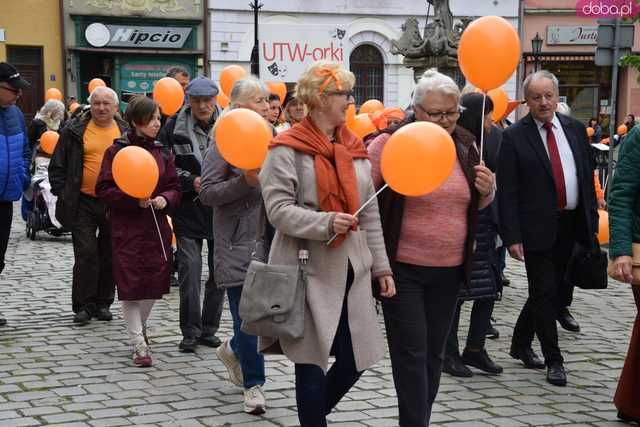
<point>599,191</point>
<point>96,140</point>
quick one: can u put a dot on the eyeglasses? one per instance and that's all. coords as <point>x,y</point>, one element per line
<point>347,93</point>
<point>439,115</point>
<point>11,89</point>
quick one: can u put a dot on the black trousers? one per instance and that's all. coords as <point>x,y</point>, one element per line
<point>418,319</point>
<point>545,274</point>
<point>6,217</point>
<point>93,284</point>
<point>478,326</point>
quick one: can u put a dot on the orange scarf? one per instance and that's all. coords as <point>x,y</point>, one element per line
<point>336,180</point>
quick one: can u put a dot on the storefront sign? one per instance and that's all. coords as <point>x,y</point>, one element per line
<point>100,35</point>
<point>283,57</point>
<point>580,34</point>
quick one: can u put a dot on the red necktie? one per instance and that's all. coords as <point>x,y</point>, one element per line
<point>556,166</point>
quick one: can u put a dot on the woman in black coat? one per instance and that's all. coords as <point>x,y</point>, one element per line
<point>483,288</point>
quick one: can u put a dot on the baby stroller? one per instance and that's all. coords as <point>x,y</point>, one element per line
<point>39,204</point>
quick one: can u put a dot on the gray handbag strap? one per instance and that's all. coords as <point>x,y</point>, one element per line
<point>302,243</point>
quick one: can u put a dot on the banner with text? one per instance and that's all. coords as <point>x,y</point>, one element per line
<point>283,57</point>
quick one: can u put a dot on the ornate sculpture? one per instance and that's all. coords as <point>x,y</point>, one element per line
<point>138,5</point>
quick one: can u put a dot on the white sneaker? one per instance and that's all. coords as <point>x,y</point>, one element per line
<point>254,401</point>
<point>231,362</point>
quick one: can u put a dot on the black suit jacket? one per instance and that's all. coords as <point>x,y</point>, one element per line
<point>526,191</point>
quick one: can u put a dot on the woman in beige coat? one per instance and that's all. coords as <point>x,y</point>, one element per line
<point>330,164</point>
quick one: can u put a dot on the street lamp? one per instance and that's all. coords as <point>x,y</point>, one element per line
<point>536,47</point>
<point>255,53</point>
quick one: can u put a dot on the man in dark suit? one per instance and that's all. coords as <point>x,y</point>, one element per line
<point>547,204</point>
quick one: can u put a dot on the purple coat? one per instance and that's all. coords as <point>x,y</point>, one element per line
<point>139,268</point>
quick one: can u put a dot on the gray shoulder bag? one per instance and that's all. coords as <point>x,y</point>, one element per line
<point>273,296</point>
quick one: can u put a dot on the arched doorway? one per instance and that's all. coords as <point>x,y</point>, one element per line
<point>368,66</point>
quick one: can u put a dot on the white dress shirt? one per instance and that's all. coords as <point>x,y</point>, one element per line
<point>566,158</point>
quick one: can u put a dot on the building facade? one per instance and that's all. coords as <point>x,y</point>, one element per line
<point>359,33</point>
<point>131,43</point>
<point>568,50</point>
<point>32,42</point>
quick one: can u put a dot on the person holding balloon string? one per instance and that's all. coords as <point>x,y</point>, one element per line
<point>330,165</point>
<point>429,218</point>
<point>139,185</point>
<point>235,197</point>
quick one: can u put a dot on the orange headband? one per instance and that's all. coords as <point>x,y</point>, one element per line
<point>331,74</point>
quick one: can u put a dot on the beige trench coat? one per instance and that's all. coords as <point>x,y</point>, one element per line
<point>327,268</point>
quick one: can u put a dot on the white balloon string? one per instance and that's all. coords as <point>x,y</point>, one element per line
<point>484,98</point>
<point>164,252</point>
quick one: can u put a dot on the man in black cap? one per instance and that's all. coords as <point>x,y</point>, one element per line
<point>14,169</point>
<point>187,134</point>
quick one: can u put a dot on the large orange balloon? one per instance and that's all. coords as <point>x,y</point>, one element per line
<point>489,52</point>
<point>229,76</point>
<point>222,99</point>
<point>94,83</point>
<point>362,126</point>
<point>622,130</point>
<point>603,227</point>
<point>418,159</point>
<point>590,132</point>
<point>48,141</point>
<point>278,88</point>
<point>371,106</point>
<point>135,172</point>
<point>168,93</point>
<point>242,137</point>
<point>53,93</point>
<point>500,103</point>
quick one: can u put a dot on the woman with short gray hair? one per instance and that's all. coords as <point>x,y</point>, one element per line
<point>236,198</point>
<point>50,117</point>
<point>430,240</point>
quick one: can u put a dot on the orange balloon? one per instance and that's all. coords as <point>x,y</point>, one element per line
<point>590,132</point>
<point>371,106</point>
<point>48,141</point>
<point>222,99</point>
<point>135,172</point>
<point>53,93</point>
<point>500,103</point>
<point>168,93</point>
<point>351,115</point>
<point>278,88</point>
<point>94,83</point>
<point>418,158</point>
<point>229,75</point>
<point>73,107</point>
<point>603,227</point>
<point>489,52</point>
<point>242,137</point>
<point>362,126</point>
<point>622,130</point>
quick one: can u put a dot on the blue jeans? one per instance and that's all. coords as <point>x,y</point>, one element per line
<point>245,346</point>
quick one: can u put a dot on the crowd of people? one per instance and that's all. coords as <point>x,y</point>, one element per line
<point>532,195</point>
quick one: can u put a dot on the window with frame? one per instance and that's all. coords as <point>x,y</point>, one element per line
<point>367,64</point>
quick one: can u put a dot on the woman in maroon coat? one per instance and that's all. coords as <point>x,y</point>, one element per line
<point>140,269</point>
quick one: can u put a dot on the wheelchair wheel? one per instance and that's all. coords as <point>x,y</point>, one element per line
<point>32,225</point>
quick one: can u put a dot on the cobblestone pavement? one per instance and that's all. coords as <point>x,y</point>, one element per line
<point>54,372</point>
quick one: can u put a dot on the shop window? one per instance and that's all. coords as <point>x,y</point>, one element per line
<point>368,66</point>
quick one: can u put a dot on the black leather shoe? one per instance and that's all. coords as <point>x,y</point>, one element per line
<point>628,418</point>
<point>188,345</point>
<point>567,321</point>
<point>493,333</point>
<point>210,341</point>
<point>453,365</point>
<point>481,360</point>
<point>83,317</point>
<point>103,313</point>
<point>3,321</point>
<point>528,357</point>
<point>556,374</point>
<point>504,280</point>
<point>174,281</point>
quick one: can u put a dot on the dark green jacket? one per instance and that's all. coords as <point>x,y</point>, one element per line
<point>624,203</point>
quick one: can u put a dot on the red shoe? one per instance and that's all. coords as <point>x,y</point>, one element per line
<point>142,356</point>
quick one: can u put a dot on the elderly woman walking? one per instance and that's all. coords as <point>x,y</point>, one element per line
<point>321,162</point>
<point>624,217</point>
<point>235,196</point>
<point>430,241</point>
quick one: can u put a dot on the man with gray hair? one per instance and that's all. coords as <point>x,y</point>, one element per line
<point>73,172</point>
<point>547,205</point>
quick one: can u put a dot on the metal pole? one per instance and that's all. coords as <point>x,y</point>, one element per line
<point>255,53</point>
<point>614,100</point>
